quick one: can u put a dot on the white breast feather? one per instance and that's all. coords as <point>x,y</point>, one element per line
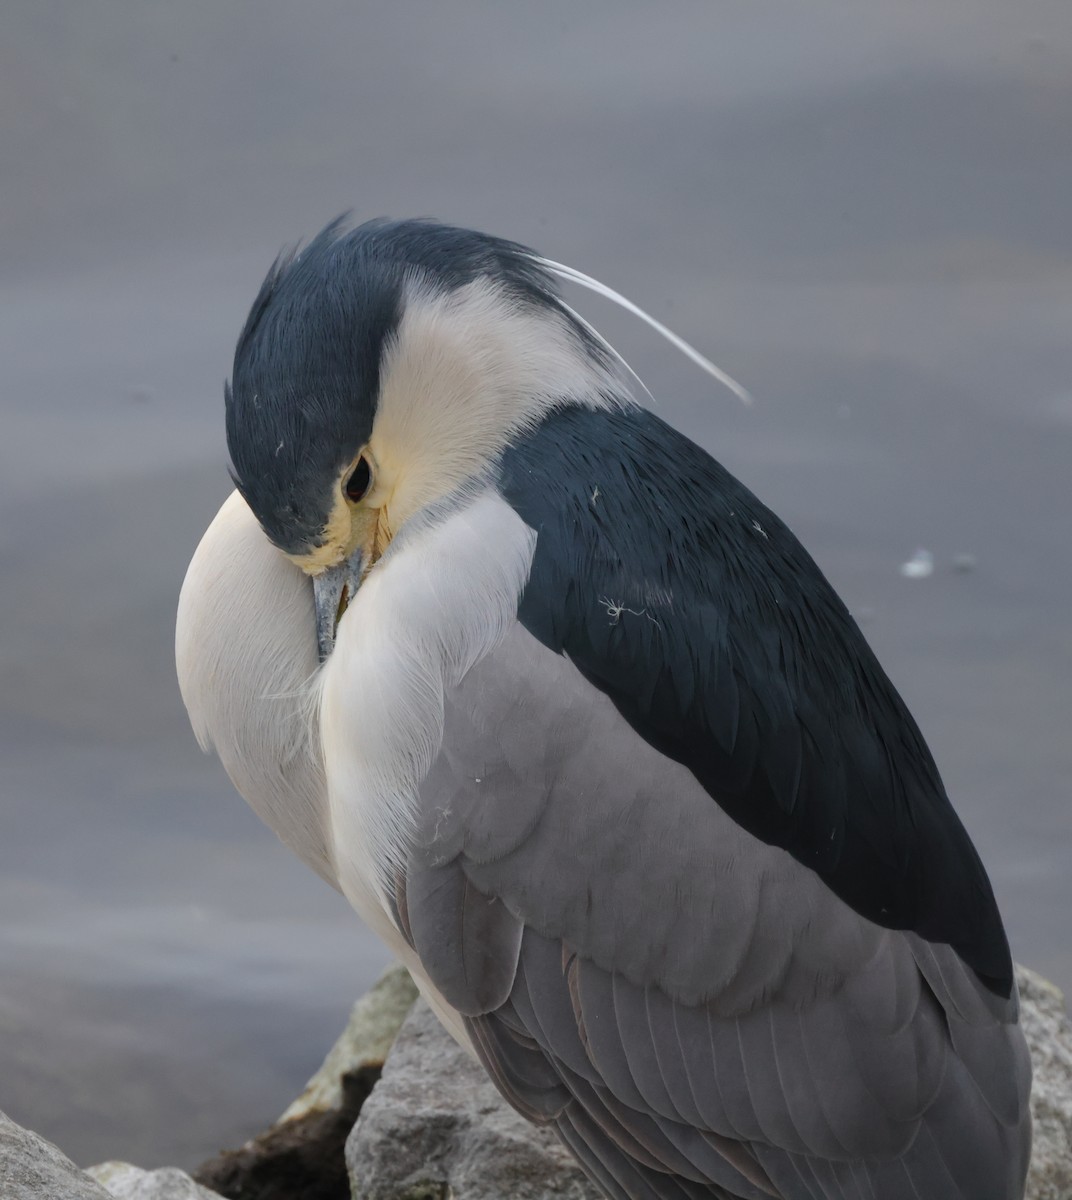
<point>440,600</point>
<point>245,652</point>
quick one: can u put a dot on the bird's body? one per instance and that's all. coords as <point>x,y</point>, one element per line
<point>594,746</point>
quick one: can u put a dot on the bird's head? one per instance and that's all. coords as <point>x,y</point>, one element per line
<point>382,371</point>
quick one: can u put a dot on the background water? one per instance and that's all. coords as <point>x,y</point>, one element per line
<point>862,211</point>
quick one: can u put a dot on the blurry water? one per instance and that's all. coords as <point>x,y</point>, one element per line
<point>861,212</point>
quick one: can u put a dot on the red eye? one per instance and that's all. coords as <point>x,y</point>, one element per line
<point>357,485</point>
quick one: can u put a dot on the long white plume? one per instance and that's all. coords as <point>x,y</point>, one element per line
<point>601,289</point>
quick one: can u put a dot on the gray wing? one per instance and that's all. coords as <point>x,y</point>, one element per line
<point>694,1010</point>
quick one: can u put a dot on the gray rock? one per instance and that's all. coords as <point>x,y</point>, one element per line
<point>33,1169</point>
<point>1049,1034</point>
<point>302,1153</point>
<point>365,1042</point>
<point>434,1127</point>
<point>126,1182</point>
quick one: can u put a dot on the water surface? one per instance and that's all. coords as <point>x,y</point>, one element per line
<point>862,213</point>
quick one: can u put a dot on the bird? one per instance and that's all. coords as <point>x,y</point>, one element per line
<point>583,733</point>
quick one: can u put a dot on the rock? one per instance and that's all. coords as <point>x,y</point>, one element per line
<point>33,1169</point>
<point>1049,1035</point>
<point>365,1042</point>
<point>126,1182</point>
<point>434,1127</point>
<point>302,1154</point>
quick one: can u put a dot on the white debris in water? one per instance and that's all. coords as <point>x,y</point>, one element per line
<point>919,566</point>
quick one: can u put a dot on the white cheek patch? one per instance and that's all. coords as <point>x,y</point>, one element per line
<point>441,599</point>
<point>466,371</point>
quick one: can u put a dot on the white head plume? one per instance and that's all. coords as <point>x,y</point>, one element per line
<point>601,289</point>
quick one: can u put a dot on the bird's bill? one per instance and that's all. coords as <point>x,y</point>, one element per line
<point>333,590</point>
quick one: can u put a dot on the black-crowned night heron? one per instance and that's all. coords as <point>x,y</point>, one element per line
<point>592,744</point>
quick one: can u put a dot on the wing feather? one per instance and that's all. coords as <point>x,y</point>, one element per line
<point>466,939</point>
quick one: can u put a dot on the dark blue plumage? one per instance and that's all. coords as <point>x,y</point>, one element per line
<point>675,591</point>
